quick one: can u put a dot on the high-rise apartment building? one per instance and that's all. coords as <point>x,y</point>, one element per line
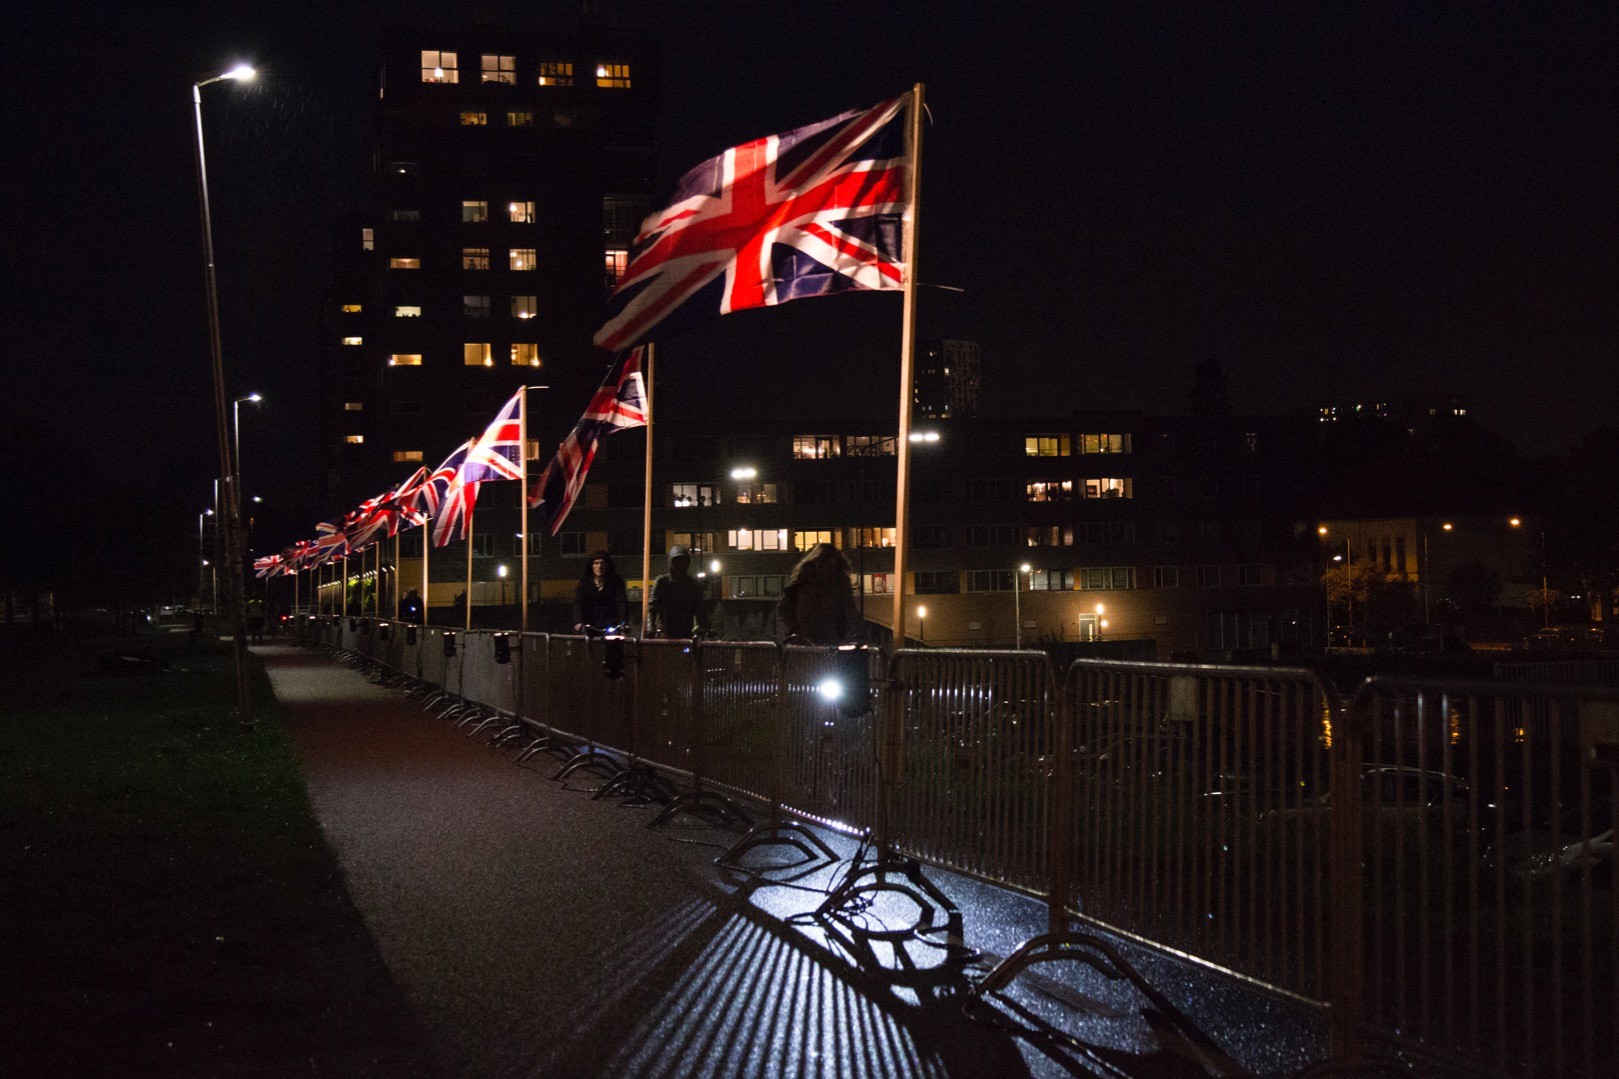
<point>510,171</point>
<point>947,380</point>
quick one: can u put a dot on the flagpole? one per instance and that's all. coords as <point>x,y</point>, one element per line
<point>396,574</point>
<point>646,500</point>
<point>426,543</point>
<point>470,534</point>
<point>907,359</point>
<point>522,512</point>
<point>343,593</point>
<point>376,584</point>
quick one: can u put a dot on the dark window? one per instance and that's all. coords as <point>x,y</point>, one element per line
<point>937,582</point>
<point>930,537</point>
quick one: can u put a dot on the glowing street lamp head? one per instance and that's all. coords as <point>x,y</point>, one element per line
<point>714,566</point>
<point>1515,521</point>
<point>1321,531</point>
<point>1025,568</point>
<point>921,612</point>
<point>744,472</point>
<point>240,73</point>
<point>830,689</point>
<point>1100,609</point>
<point>500,570</point>
<point>254,397</point>
<point>1447,526</point>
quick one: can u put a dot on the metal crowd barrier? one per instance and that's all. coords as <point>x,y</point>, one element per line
<point>1492,918</point>
<point>1431,865</point>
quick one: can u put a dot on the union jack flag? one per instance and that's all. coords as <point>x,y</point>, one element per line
<point>429,495</point>
<point>381,517</point>
<point>811,212</point>
<point>331,543</point>
<point>268,566</point>
<point>620,403</point>
<point>497,454</point>
<point>298,555</point>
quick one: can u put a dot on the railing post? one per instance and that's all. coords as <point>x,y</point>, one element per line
<point>1347,922</point>
<point>1060,815</point>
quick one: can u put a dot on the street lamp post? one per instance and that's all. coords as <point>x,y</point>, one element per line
<point>202,555</point>
<point>236,432</point>
<point>500,571</point>
<point>1017,603</point>
<point>1427,576</point>
<point>227,458</point>
<point>922,625</point>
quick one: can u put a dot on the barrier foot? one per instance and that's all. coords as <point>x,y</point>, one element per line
<point>639,783</point>
<point>541,744</point>
<point>506,734</point>
<point>1094,951</point>
<point>588,758</point>
<point>852,895</point>
<point>784,833</point>
<point>694,801</point>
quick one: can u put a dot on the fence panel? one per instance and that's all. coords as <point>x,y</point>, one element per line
<point>736,739</point>
<point>582,702</point>
<point>410,645</point>
<point>478,667</point>
<point>1202,819</point>
<point>1492,926</point>
<point>535,673</point>
<point>665,716</point>
<point>829,759</point>
<point>431,651</point>
<point>978,741</point>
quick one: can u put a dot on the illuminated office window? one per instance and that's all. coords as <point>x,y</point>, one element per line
<point>477,354</point>
<point>353,341</point>
<point>474,118</point>
<point>525,354</point>
<point>404,456</point>
<point>404,264</point>
<point>351,309</point>
<point>519,118</point>
<point>521,213</point>
<point>524,306</point>
<point>502,69</point>
<point>474,211</point>
<point>405,359</point>
<point>556,73</point>
<point>522,258</point>
<point>354,440</point>
<point>613,76</point>
<point>439,66</point>
<point>475,258</point>
<point>407,310</point>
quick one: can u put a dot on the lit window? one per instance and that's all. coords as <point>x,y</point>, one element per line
<point>520,118</point>
<point>477,354</point>
<point>354,440</point>
<point>1106,578</point>
<point>803,539</point>
<point>351,309</point>
<point>1113,487</point>
<point>757,539</point>
<point>685,495</point>
<point>407,310</point>
<point>522,258</point>
<point>353,406</point>
<point>368,240</point>
<point>353,340</point>
<point>613,76</point>
<point>524,306</point>
<point>474,118</point>
<point>871,445</point>
<point>475,258</point>
<point>556,73</point>
<point>474,211</point>
<point>525,354</point>
<point>1051,580</point>
<point>815,447</point>
<point>872,537</point>
<point>617,261</point>
<point>403,456</point>
<point>877,584</point>
<point>532,449</point>
<point>405,359</point>
<point>404,264</point>
<point>500,69</point>
<point>1049,491</point>
<point>1046,446</point>
<point>521,213</point>
<point>404,215</point>
<point>756,493</point>
<point>439,66</point>
<point>475,306</point>
<point>1104,443</point>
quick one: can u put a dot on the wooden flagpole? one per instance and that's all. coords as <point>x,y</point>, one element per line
<point>343,593</point>
<point>646,499</point>
<point>907,360</point>
<point>427,541</point>
<point>470,535</point>
<point>396,575</point>
<point>376,584</point>
<point>522,511</point>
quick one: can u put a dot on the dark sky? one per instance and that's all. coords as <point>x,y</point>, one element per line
<point>1335,201</point>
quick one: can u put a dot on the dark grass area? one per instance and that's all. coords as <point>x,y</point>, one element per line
<point>168,906</point>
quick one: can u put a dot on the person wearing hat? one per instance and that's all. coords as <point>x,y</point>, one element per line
<point>677,600</point>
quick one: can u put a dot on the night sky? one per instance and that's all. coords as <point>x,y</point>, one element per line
<point>1335,201</point>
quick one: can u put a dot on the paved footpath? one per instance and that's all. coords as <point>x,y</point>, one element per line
<point>539,932</point>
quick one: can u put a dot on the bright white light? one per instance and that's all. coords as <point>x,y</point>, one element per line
<point>743,472</point>
<point>1100,609</point>
<point>500,570</point>
<point>924,436</point>
<point>921,612</point>
<point>241,72</point>
<point>831,689</point>
<point>1025,567</point>
<point>714,566</point>
<point>254,397</point>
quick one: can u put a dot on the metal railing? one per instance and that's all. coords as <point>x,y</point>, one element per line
<point>1430,865</point>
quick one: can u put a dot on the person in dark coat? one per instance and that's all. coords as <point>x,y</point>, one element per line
<point>677,600</point>
<point>600,601</point>
<point>817,606</point>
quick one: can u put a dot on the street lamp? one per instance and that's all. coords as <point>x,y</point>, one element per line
<point>202,553</point>
<point>236,431</point>
<point>922,624</point>
<point>1427,576</point>
<point>227,458</point>
<point>1545,590</point>
<point>500,571</point>
<point>1017,603</point>
<point>1101,623</point>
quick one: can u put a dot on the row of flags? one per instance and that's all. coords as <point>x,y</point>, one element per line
<point>813,211</point>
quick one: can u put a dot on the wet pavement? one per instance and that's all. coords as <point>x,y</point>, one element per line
<point>537,931</point>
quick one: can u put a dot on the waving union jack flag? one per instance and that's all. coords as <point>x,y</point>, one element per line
<point>810,212</point>
<point>497,455</point>
<point>619,403</point>
<point>429,494</point>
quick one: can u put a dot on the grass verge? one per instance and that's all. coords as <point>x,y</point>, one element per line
<point>168,905</point>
